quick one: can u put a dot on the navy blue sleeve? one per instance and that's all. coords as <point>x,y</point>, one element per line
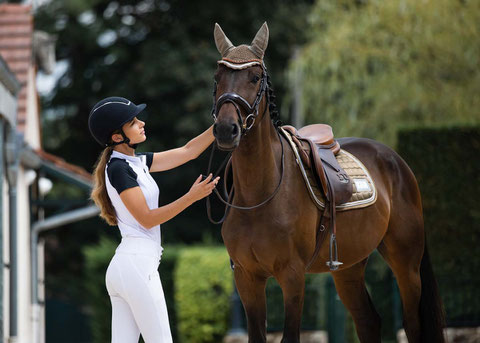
<point>149,156</point>
<point>121,175</point>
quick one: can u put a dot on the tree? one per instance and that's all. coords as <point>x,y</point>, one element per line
<point>371,67</point>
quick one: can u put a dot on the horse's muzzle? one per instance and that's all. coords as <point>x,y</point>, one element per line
<point>227,135</point>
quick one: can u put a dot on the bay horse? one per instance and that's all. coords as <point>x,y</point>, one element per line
<point>278,238</point>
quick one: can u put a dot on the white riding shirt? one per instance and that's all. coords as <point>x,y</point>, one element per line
<point>123,172</point>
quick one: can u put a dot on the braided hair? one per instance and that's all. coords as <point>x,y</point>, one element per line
<point>274,115</point>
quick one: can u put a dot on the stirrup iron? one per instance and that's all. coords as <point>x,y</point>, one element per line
<point>333,263</point>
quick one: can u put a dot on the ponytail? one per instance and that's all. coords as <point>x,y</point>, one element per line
<point>99,192</point>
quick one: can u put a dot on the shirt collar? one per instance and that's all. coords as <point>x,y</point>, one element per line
<point>117,154</point>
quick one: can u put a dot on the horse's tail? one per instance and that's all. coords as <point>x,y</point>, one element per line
<point>432,315</point>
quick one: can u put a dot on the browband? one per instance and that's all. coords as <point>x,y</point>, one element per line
<point>239,66</point>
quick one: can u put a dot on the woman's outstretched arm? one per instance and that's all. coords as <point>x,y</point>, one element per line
<point>136,204</point>
<point>169,159</point>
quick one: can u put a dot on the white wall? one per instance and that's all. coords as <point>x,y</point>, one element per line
<point>32,120</point>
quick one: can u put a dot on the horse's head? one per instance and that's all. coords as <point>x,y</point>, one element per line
<point>240,87</point>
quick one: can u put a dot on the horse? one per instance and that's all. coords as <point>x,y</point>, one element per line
<point>276,237</point>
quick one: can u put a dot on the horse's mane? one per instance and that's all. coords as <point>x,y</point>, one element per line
<point>274,115</point>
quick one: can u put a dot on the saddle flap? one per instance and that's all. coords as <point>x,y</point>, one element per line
<point>338,179</point>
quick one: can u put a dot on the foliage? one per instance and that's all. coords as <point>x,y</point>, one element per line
<point>446,164</point>
<point>203,287</point>
<point>372,67</point>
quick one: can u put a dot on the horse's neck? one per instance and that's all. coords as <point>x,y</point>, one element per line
<point>257,164</point>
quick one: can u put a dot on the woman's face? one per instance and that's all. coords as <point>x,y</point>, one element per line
<point>134,130</point>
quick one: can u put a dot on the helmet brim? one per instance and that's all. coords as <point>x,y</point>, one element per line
<point>135,113</point>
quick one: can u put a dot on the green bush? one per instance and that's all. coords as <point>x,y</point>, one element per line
<point>203,287</point>
<point>446,164</point>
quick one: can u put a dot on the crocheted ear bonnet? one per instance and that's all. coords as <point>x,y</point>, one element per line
<point>242,56</point>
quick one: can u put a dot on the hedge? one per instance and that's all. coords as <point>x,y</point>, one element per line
<point>446,163</point>
<point>203,287</point>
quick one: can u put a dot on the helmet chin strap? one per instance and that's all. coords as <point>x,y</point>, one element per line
<point>126,140</point>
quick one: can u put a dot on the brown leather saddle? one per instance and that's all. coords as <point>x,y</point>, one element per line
<point>317,149</point>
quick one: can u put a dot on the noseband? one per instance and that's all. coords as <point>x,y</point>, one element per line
<point>240,102</point>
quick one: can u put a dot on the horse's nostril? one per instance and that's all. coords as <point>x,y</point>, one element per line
<point>215,130</point>
<point>234,130</point>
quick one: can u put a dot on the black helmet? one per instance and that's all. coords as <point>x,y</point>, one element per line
<point>109,115</point>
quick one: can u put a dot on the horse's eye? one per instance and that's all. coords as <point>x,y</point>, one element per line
<point>255,78</point>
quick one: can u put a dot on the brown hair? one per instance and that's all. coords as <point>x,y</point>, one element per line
<point>99,192</point>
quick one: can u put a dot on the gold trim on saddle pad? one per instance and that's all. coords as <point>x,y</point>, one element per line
<point>364,190</point>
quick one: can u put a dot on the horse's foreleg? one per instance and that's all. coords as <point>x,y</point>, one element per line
<point>292,282</point>
<point>350,285</point>
<point>251,289</point>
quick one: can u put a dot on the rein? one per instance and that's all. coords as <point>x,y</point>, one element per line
<point>252,111</point>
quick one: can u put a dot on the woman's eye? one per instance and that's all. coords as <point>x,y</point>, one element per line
<point>255,78</point>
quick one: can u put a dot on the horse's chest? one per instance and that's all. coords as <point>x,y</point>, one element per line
<point>257,234</point>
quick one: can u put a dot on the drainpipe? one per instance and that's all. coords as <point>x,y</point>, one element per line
<point>12,150</point>
<point>2,127</point>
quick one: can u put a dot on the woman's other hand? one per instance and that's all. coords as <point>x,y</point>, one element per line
<point>200,189</point>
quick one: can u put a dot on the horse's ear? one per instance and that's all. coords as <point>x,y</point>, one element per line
<point>260,42</point>
<point>221,41</point>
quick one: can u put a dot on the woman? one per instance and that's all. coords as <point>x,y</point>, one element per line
<point>127,196</point>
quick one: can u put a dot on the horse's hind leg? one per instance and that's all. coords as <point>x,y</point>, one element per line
<point>402,248</point>
<point>350,285</point>
<point>292,282</point>
<point>251,289</point>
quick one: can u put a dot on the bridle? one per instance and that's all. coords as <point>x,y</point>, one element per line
<point>252,113</point>
<point>238,101</point>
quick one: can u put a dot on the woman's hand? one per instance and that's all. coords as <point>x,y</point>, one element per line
<point>200,189</point>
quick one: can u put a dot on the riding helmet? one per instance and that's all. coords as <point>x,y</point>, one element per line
<point>109,115</point>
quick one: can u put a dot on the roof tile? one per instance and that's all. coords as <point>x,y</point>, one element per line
<point>16,32</point>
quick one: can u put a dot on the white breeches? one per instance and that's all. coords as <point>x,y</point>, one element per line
<point>138,303</point>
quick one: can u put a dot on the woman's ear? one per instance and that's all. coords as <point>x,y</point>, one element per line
<point>117,137</point>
